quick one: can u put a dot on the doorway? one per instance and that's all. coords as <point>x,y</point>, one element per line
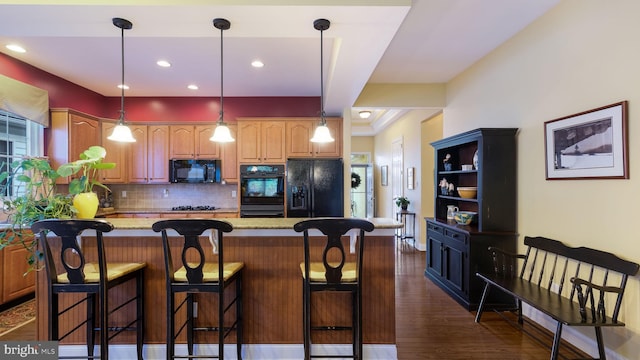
<point>362,196</point>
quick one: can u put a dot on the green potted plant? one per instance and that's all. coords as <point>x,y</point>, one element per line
<point>85,201</point>
<point>402,202</point>
<point>28,193</point>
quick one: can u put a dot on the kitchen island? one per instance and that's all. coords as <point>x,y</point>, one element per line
<point>272,296</point>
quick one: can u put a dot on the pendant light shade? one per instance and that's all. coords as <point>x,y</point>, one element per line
<point>322,134</point>
<point>221,133</point>
<point>122,133</point>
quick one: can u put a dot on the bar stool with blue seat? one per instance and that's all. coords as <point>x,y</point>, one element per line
<point>196,276</point>
<point>327,269</point>
<point>68,271</point>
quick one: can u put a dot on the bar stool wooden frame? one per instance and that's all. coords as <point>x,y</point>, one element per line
<point>333,275</point>
<point>200,276</point>
<point>94,279</point>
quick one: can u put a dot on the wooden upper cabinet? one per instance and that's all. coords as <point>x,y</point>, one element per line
<point>299,133</point>
<point>149,155</point>
<point>261,141</point>
<point>158,153</point>
<point>138,172</point>
<point>181,142</point>
<point>205,148</point>
<point>116,153</point>
<point>70,134</point>
<point>229,155</point>
<point>192,142</point>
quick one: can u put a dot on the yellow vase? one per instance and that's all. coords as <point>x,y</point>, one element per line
<point>86,204</point>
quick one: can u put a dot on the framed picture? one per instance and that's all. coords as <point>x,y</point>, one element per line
<point>410,182</point>
<point>384,175</point>
<point>588,145</point>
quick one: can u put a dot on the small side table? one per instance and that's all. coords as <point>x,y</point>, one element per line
<point>408,229</point>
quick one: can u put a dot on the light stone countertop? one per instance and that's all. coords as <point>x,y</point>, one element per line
<point>242,223</point>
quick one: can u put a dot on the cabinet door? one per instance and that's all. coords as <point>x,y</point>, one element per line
<point>297,139</point>
<point>14,266</point>
<point>158,153</point>
<point>273,141</point>
<point>435,250</point>
<point>83,133</point>
<point>70,134</point>
<point>249,142</point>
<point>116,153</point>
<point>332,149</point>
<point>182,142</point>
<point>454,269</point>
<point>205,148</point>
<point>138,159</point>
<point>229,154</point>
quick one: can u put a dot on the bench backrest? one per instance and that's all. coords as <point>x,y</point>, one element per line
<point>595,275</point>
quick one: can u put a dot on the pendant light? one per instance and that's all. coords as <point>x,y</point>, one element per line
<point>221,133</point>
<point>122,133</point>
<point>322,134</point>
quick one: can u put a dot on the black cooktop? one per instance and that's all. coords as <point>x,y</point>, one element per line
<point>193,208</point>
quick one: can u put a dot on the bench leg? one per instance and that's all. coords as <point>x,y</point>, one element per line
<point>603,356</point>
<point>519,305</point>
<point>485,294</point>
<point>556,342</point>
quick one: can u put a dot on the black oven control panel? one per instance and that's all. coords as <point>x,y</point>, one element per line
<point>261,170</point>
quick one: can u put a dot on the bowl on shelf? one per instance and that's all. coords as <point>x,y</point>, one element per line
<point>464,217</point>
<point>468,192</point>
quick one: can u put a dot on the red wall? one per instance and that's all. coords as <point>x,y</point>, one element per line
<point>174,109</point>
<point>65,94</point>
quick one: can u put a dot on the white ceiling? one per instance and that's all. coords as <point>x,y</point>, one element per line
<point>369,41</point>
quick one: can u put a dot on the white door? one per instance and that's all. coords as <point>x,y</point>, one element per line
<point>397,175</point>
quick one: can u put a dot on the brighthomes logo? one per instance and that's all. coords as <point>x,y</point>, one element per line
<point>31,350</point>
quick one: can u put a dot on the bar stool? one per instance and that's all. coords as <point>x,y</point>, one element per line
<point>196,275</point>
<point>68,272</point>
<point>328,270</point>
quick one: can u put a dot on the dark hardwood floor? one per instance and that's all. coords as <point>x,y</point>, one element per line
<point>430,325</point>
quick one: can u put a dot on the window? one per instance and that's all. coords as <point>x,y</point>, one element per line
<point>19,137</point>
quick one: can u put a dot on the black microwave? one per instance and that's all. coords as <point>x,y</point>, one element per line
<point>194,171</point>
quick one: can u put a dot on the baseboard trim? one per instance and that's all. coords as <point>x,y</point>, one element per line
<point>249,351</point>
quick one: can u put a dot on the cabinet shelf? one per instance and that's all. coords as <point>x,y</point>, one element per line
<point>458,172</point>
<point>457,198</point>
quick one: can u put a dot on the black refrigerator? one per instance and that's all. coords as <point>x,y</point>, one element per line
<point>315,188</point>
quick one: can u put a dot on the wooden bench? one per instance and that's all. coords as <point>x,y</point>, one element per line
<point>596,278</point>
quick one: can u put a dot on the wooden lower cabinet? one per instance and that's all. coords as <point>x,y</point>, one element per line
<point>16,280</point>
<point>455,254</point>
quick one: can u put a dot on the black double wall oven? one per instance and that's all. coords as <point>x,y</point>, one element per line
<point>262,189</point>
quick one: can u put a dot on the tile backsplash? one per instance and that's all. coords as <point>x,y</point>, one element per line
<point>166,196</point>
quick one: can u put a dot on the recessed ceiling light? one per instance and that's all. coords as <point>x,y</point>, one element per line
<point>364,114</point>
<point>123,86</point>
<point>257,64</point>
<point>193,87</point>
<point>16,48</point>
<point>163,63</point>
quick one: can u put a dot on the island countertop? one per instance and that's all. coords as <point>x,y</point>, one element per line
<point>243,223</point>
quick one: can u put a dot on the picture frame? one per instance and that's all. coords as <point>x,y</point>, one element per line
<point>384,175</point>
<point>410,181</point>
<point>589,145</point>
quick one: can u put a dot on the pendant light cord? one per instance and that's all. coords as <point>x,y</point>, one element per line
<point>221,118</point>
<point>323,121</point>
<point>122,82</point>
